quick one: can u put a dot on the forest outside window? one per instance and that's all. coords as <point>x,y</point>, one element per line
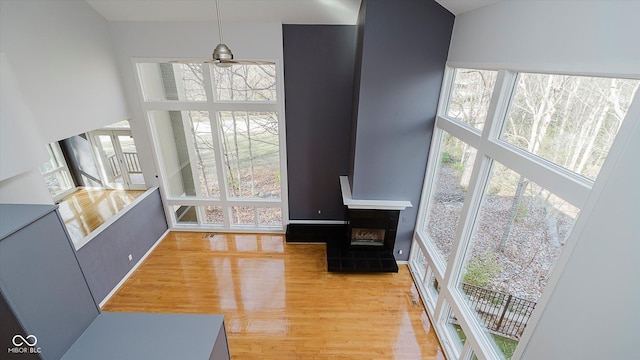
<point>571,121</point>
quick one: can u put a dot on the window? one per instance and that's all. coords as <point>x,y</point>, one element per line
<point>568,120</point>
<point>117,157</point>
<point>245,83</point>
<point>513,159</point>
<point>56,173</point>
<point>455,164</point>
<point>470,96</point>
<point>216,133</point>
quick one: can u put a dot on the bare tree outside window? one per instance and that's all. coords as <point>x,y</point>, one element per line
<point>571,121</point>
<point>245,83</point>
<point>470,96</point>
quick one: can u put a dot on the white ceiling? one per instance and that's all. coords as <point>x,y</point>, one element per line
<point>458,7</point>
<point>283,11</point>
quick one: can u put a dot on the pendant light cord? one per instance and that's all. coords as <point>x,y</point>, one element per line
<point>219,24</point>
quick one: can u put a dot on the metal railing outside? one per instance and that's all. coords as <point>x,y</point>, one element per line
<point>130,161</point>
<point>502,313</point>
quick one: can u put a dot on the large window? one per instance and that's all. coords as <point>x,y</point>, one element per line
<point>513,159</point>
<point>56,173</point>
<point>218,141</point>
<point>117,157</point>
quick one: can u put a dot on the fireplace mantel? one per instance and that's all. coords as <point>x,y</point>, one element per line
<point>352,203</point>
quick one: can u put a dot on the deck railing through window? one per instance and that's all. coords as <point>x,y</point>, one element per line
<point>130,161</point>
<point>502,313</point>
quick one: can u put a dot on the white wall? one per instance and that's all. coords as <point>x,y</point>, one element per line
<point>592,311</point>
<point>19,135</point>
<point>25,188</point>
<point>598,37</point>
<point>63,64</point>
<point>62,56</point>
<point>177,40</point>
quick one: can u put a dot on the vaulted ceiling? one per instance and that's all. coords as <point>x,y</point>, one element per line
<point>284,11</point>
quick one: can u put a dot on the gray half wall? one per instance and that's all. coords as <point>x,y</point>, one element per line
<point>318,77</point>
<point>104,259</point>
<point>404,51</point>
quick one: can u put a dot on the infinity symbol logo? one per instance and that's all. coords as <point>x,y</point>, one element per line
<point>19,340</point>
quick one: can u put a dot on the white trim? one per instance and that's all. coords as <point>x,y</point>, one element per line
<point>133,269</point>
<point>205,228</point>
<point>544,69</point>
<point>352,203</point>
<point>175,105</point>
<point>204,201</point>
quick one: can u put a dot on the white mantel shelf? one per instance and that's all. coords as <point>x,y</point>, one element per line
<point>352,203</point>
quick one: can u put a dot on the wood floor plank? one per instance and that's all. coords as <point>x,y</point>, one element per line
<point>279,301</point>
<point>85,210</point>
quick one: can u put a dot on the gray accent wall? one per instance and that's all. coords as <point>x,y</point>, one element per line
<point>104,259</point>
<point>403,50</point>
<point>318,77</point>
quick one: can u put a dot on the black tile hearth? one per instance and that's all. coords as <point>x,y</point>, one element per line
<point>350,261</point>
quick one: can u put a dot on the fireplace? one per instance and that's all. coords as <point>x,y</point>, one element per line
<point>371,229</point>
<point>368,237</point>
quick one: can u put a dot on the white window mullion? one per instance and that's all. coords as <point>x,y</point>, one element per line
<point>195,172</point>
<point>282,144</point>
<point>174,105</point>
<point>500,102</point>
<point>189,137</point>
<point>479,177</point>
<point>445,91</point>
<point>568,185</point>
<point>209,84</point>
<point>470,209</point>
<point>462,131</point>
<point>246,106</point>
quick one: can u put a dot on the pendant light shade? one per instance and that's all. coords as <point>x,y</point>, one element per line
<point>222,52</point>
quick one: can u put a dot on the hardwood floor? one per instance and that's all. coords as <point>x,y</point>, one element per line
<point>279,301</point>
<point>86,209</point>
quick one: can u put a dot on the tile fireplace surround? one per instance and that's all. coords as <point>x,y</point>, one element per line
<point>367,242</point>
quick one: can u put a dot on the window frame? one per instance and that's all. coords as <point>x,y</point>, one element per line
<point>55,152</point>
<point>574,188</point>
<point>213,106</point>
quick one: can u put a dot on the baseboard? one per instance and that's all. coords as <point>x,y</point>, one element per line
<point>133,269</point>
